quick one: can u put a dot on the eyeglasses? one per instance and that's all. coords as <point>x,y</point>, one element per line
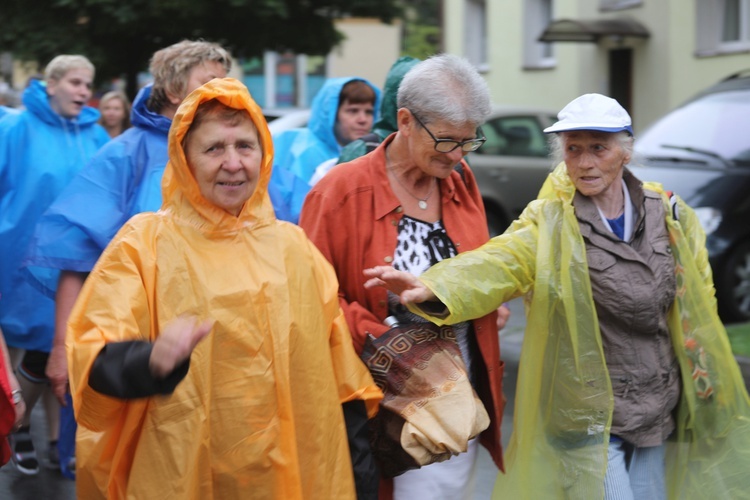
<point>448,145</point>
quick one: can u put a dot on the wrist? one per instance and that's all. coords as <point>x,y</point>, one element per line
<point>17,395</point>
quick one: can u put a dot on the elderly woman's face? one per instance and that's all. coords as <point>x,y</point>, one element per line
<point>594,160</point>
<point>225,161</point>
<point>422,144</point>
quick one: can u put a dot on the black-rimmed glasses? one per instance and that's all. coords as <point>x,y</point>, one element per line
<point>448,145</point>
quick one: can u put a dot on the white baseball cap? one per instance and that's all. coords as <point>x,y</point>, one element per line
<point>592,112</point>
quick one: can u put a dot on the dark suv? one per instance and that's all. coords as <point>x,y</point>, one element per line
<point>701,151</point>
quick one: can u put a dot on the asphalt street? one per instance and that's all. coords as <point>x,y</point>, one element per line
<point>51,485</point>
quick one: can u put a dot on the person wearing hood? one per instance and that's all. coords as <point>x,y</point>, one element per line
<point>387,124</point>
<point>221,368</point>
<point>342,111</point>
<point>627,387</point>
<point>41,150</point>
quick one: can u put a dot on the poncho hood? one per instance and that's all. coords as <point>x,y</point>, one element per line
<point>325,107</point>
<point>389,109</point>
<point>180,190</point>
<point>141,116</point>
<point>36,100</point>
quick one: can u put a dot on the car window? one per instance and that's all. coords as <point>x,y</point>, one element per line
<point>514,136</point>
<point>716,123</point>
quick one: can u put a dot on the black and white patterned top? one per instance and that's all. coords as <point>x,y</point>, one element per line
<point>420,246</point>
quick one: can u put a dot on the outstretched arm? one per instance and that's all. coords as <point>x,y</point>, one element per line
<point>407,286</point>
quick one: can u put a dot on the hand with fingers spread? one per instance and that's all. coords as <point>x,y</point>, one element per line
<point>407,286</point>
<point>176,343</point>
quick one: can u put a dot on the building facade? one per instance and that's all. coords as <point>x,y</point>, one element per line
<point>651,55</point>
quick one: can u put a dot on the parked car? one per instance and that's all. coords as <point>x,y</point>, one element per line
<point>701,151</point>
<point>512,165</point>
<point>280,119</point>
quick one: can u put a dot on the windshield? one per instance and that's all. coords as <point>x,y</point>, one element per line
<point>717,123</point>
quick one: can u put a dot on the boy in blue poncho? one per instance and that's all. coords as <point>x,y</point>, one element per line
<point>342,111</point>
<point>41,149</point>
<point>122,180</point>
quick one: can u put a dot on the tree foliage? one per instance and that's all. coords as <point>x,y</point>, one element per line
<point>119,36</point>
<point>421,28</point>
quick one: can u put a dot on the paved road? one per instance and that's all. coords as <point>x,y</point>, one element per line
<point>51,485</point>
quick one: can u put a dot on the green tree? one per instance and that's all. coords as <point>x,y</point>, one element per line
<point>421,28</point>
<point>119,36</point>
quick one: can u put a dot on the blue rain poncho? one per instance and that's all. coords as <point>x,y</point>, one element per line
<point>40,152</point>
<point>121,180</point>
<point>299,151</point>
<point>5,110</point>
<point>563,376</point>
<point>388,123</point>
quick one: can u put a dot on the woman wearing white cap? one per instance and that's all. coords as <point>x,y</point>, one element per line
<point>628,388</point>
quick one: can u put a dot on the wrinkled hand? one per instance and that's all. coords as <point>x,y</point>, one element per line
<point>57,372</point>
<point>407,286</point>
<point>503,314</point>
<point>175,344</point>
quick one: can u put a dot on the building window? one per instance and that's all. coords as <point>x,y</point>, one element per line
<point>537,16</point>
<point>735,21</point>
<point>284,80</point>
<point>722,26</point>
<point>619,4</point>
<point>476,34</point>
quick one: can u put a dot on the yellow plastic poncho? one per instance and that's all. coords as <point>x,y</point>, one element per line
<point>564,396</point>
<point>259,413</point>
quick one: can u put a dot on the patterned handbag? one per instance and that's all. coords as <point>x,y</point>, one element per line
<point>430,410</point>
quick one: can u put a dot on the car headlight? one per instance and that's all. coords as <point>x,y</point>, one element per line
<point>709,217</point>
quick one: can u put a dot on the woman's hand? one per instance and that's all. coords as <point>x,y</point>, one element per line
<point>57,372</point>
<point>176,343</point>
<point>405,285</point>
<point>503,314</point>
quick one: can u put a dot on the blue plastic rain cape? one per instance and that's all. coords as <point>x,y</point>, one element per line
<point>299,151</point>
<point>563,375</point>
<point>121,180</point>
<point>5,110</point>
<point>40,152</point>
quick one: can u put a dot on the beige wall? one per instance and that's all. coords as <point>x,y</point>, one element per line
<point>665,70</point>
<point>369,50</point>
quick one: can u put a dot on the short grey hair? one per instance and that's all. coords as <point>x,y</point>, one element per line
<point>171,66</point>
<point>446,88</point>
<point>58,67</point>
<point>557,144</point>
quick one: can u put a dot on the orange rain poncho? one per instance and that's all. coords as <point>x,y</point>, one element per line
<point>259,413</point>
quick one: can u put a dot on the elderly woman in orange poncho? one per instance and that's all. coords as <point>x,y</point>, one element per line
<point>208,354</point>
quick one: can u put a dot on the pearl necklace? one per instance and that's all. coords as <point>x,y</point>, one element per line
<point>421,202</point>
